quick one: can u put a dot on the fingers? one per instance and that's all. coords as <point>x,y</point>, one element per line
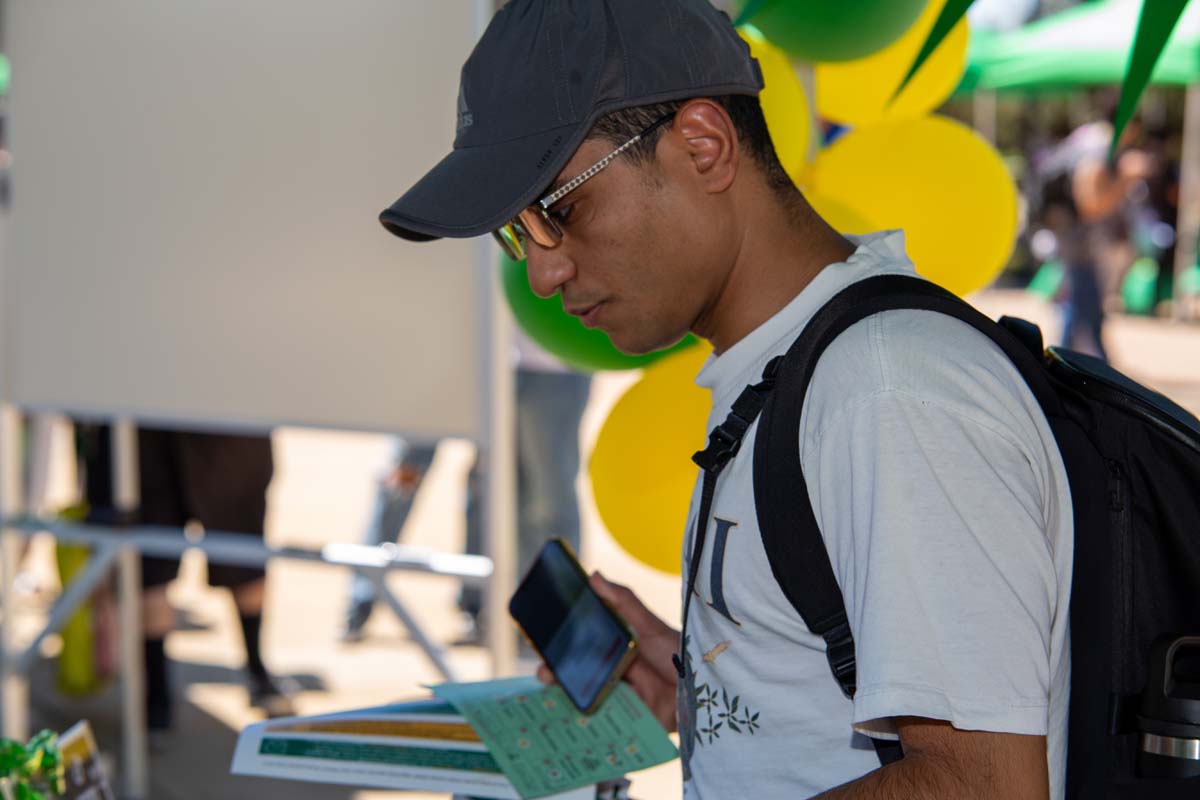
<point>625,601</point>
<point>544,674</point>
<point>652,631</point>
<point>604,587</point>
<point>658,694</point>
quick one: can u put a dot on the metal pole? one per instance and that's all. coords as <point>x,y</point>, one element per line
<point>1187,226</point>
<point>498,457</point>
<point>74,595</point>
<point>14,687</point>
<point>126,484</point>
<point>499,454</point>
<point>498,447</point>
<point>984,115</point>
<point>135,769</point>
<point>806,72</point>
<point>135,773</point>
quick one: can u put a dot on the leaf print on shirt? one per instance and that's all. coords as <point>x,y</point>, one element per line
<point>686,706</point>
<point>705,712</point>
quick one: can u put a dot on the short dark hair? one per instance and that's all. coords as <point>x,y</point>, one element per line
<point>744,110</point>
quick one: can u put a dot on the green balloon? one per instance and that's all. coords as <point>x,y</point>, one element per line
<point>563,335</point>
<point>824,30</point>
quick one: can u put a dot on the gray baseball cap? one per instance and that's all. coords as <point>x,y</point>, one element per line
<point>540,77</point>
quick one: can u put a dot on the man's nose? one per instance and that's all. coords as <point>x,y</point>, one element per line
<point>548,269</point>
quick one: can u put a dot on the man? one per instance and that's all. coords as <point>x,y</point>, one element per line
<point>620,146</point>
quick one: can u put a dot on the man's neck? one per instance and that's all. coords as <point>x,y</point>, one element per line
<point>781,251</point>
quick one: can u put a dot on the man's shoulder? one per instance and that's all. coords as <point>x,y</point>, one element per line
<point>904,348</point>
<point>923,355</point>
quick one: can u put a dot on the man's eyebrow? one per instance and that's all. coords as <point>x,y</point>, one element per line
<point>558,183</point>
<point>554,187</point>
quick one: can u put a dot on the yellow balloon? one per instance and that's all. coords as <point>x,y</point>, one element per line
<point>939,181</point>
<point>840,217</point>
<point>642,471</point>
<point>858,92</point>
<point>784,102</point>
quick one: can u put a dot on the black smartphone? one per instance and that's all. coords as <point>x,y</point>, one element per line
<point>581,638</point>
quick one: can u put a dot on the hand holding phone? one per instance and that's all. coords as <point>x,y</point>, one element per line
<point>586,645</point>
<point>652,673</point>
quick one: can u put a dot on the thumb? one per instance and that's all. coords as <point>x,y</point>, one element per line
<point>622,599</point>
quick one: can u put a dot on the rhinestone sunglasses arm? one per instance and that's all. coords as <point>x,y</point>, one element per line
<point>592,171</point>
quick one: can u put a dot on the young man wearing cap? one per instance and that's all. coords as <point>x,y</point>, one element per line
<point>620,147</point>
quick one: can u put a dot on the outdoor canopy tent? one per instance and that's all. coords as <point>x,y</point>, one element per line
<point>1085,45</point>
<point>1089,45</point>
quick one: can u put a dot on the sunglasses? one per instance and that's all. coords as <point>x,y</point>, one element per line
<point>536,223</point>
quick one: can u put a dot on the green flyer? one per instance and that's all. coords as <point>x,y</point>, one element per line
<point>545,745</point>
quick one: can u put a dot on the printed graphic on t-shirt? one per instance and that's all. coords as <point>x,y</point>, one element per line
<point>706,711</point>
<point>717,572</point>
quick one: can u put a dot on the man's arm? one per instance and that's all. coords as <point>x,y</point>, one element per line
<point>942,762</point>
<point>1099,190</point>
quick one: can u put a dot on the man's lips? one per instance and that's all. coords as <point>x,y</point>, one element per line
<point>587,314</point>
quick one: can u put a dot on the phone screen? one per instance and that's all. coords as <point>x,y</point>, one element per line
<point>583,642</point>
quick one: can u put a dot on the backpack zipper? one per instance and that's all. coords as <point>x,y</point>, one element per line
<point>1122,555</point>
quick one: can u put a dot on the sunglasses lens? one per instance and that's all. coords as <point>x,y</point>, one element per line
<point>540,227</point>
<point>511,241</point>
<point>532,223</point>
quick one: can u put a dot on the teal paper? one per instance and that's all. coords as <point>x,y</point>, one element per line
<point>545,746</point>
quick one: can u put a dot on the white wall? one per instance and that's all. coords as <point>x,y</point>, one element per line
<point>195,190</point>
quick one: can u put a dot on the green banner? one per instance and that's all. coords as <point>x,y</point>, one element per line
<point>952,12</point>
<point>749,10</point>
<point>1159,18</point>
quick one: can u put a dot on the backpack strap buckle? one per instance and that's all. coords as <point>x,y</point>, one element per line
<point>723,444</point>
<point>839,650</point>
<point>726,439</point>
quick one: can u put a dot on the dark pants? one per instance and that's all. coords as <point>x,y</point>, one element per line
<point>1083,313</point>
<point>549,408</point>
<point>218,480</point>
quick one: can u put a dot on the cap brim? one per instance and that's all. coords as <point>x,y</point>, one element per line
<point>475,190</point>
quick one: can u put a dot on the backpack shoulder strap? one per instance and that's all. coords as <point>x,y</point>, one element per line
<point>790,534</point>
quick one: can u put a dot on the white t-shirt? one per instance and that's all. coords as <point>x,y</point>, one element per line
<point>944,506</point>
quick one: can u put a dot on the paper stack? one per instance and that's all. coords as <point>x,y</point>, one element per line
<point>506,740</point>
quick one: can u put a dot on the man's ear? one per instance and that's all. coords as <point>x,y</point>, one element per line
<point>711,143</point>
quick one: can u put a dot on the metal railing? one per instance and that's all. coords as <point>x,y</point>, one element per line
<point>121,549</point>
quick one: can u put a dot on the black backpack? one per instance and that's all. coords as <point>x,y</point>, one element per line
<point>1133,462</point>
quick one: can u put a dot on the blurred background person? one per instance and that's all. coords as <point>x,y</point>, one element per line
<point>219,481</point>
<point>1086,205</point>
<point>550,402</point>
<point>551,398</point>
<point>394,499</point>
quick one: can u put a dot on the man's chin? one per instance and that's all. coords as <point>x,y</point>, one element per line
<point>633,347</point>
